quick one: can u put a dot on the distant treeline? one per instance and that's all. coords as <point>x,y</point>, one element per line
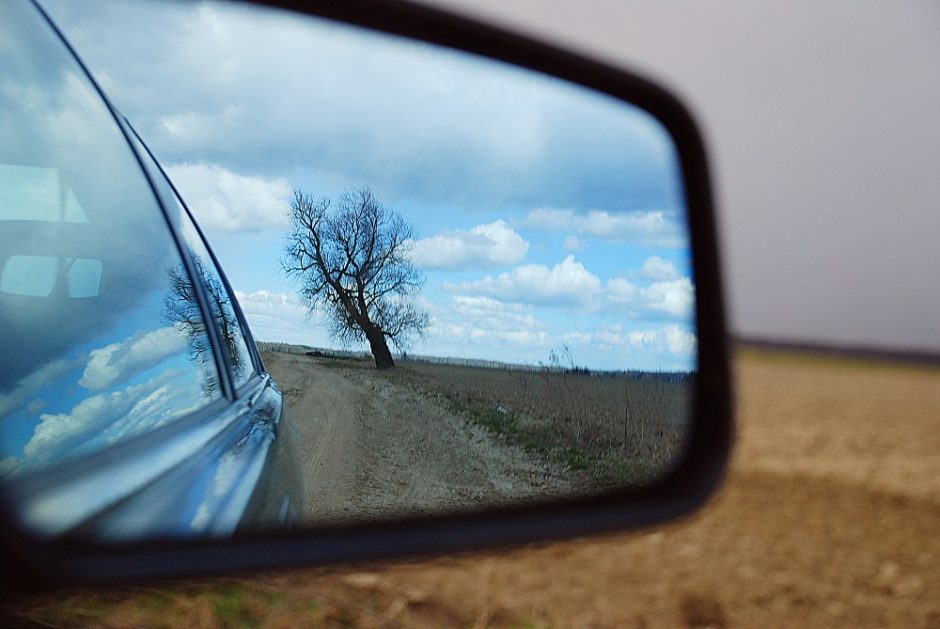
<point>288,348</point>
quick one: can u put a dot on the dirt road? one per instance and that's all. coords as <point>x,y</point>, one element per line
<point>829,518</point>
<point>374,448</point>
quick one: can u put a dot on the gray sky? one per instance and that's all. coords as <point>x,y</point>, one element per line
<point>821,118</point>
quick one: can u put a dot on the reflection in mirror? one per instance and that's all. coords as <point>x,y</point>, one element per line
<point>88,363</point>
<point>472,282</point>
<point>38,276</point>
<point>485,294</point>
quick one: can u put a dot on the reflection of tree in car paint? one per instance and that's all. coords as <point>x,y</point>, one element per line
<point>181,308</point>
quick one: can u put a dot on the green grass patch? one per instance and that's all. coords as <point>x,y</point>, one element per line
<point>232,606</point>
<point>604,470</point>
<point>227,603</point>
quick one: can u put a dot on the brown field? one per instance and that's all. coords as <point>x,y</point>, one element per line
<point>830,517</point>
<point>374,448</point>
<point>615,427</point>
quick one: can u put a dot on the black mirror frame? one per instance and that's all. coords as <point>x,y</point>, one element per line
<point>30,565</point>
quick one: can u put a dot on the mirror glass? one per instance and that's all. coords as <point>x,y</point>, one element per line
<point>471,282</point>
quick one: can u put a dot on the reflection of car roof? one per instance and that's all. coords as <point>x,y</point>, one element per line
<point>118,418</point>
<point>38,193</point>
<point>48,238</point>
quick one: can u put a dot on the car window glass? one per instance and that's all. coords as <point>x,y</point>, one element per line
<point>220,303</point>
<point>99,340</point>
<point>220,300</point>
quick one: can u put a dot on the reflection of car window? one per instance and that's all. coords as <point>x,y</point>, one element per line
<point>220,302</point>
<point>89,354</point>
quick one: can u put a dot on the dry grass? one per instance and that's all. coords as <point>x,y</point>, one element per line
<point>829,518</point>
<point>617,428</point>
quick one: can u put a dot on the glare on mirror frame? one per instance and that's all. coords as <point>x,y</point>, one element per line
<point>539,302</point>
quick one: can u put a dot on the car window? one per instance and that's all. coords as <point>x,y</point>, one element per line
<point>100,340</point>
<point>221,302</point>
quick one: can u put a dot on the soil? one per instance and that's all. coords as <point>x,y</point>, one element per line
<point>374,449</point>
<point>829,517</point>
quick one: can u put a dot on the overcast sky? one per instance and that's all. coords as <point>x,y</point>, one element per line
<point>545,215</point>
<point>821,118</point>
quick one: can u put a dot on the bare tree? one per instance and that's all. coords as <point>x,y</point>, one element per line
<point>353,260</point>
<point>181,309</point>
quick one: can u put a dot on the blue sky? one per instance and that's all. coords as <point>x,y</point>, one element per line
<point>545,215</point>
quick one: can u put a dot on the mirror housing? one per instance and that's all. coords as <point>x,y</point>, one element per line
<point>31,563</point>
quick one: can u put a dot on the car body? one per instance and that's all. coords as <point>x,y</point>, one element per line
<point>134,401</point>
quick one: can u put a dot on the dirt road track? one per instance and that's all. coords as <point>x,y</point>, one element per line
<point>374,449</point>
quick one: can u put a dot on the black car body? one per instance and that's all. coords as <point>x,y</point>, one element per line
<point>133,401</point>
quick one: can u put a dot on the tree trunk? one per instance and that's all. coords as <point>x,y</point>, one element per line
<point>380,351</point>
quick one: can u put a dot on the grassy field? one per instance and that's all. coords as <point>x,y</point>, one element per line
<point>829,518</point>
<point>616,428</point>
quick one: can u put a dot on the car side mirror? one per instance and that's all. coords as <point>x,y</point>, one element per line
<point>568,197</point>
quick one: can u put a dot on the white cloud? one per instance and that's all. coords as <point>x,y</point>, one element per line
<point>283,317</point>
<point>489,245</point>
<point>493,314</point>
<point>151,401</point>
<point>486,320</point>
<point>475,306</point>
<point>623,291</point>
<point>671,338</point>
<point>650,228</point>
<point>271,303</point>
<point>22,391</point>
<point>609,335</point>
<point>222,199</point>
<point>566,283</point>
<point>147,413</point>
<point>524,337</point>
<point>572,243</point>
<point>577,337</point>
<point>655,268</point>
<point>674,298</point>
<point>187,126</point>
<point>118,362</point>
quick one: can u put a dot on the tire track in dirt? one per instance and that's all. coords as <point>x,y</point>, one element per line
<point>375,449</point>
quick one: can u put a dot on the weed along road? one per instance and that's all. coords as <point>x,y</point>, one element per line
<point>374,447</point>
